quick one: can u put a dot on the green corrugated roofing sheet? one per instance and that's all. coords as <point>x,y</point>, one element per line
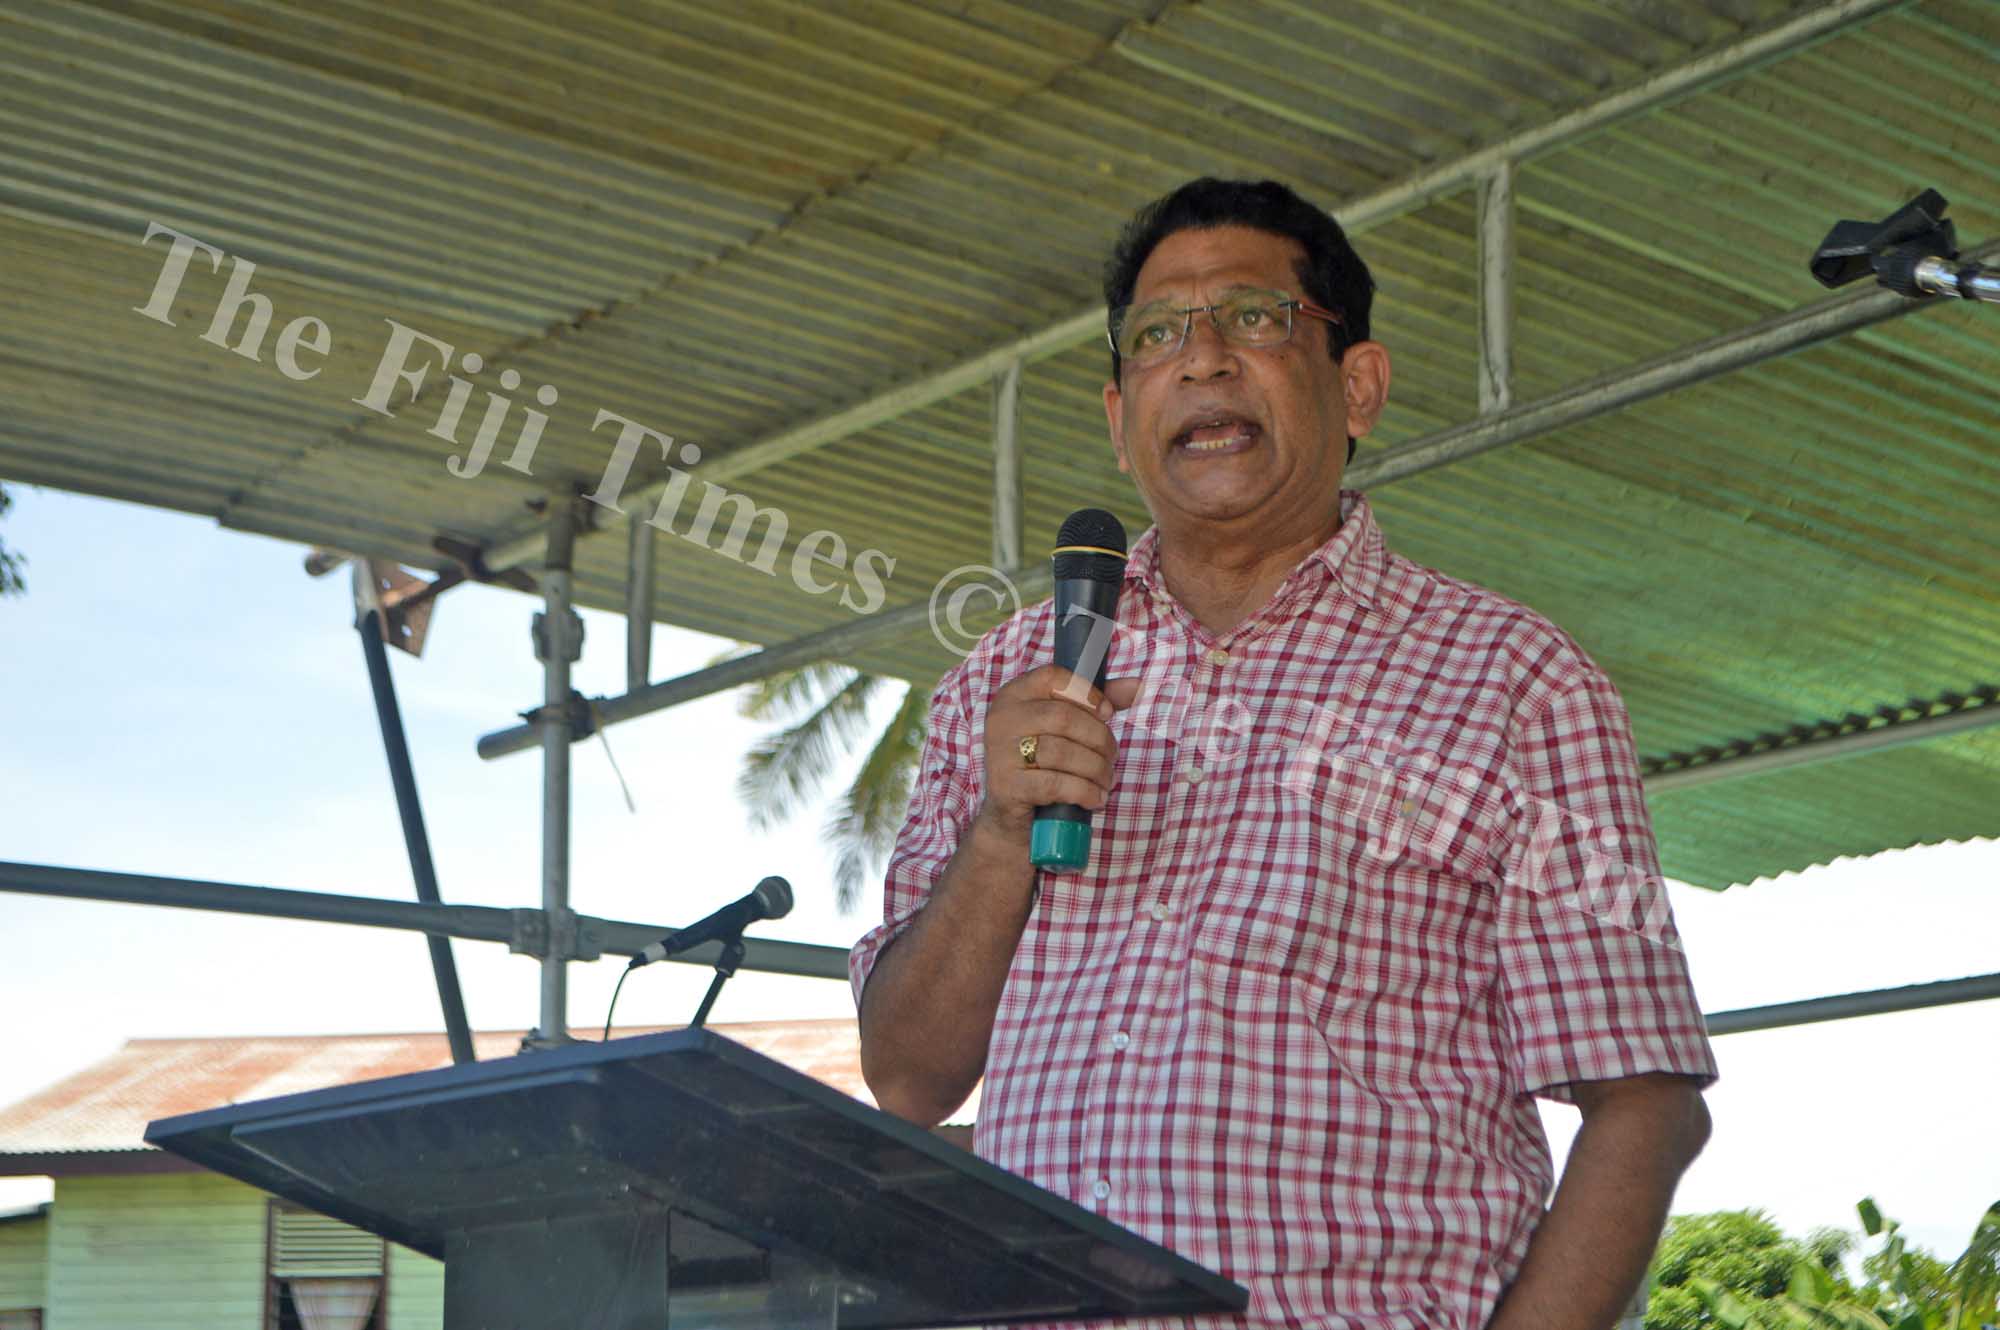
<point>728,222</point>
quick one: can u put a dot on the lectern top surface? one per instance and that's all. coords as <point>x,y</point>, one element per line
<point>763,1170</point>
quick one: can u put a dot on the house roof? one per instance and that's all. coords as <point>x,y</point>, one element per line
<point>802,239</point>
<point>104,1108</point>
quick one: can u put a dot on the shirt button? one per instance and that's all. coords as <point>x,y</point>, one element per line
<point>1101,1188</point>
<point>1120,1042</point>
<point>1159,912</point>
<point>1192,774</point>
<point>1216,656</point>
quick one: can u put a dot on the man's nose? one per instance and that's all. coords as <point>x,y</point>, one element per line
<point>1207,354</point>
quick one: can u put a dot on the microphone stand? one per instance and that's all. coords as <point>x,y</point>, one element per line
<point>725,966</point>
<point>1913,252</point>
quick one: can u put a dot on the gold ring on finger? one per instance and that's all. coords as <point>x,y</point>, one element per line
<point>1029,744</point>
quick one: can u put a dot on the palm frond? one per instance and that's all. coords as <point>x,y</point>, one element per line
<point>781,696</point>
<point>783,771</point>
<point>1975,1275</point>
<point>861,830</point>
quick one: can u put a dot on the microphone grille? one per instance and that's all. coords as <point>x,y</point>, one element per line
<point>1093,527</point>
<point>775,895</point>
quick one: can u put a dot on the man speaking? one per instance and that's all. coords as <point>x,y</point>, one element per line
<point>1370,869</point>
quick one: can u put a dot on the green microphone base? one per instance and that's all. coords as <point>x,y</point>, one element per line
<point>1057,844</point>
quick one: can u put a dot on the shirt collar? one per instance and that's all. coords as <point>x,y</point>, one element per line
<point>1354,556</point>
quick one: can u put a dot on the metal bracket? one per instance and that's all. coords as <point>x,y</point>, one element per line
<point>574,937</point>
<point>403,600</point>
<point>531,934</point>
<point>560,638</point>
<point>578,715</point>
<point>472,560</point>
<point>587,938</point>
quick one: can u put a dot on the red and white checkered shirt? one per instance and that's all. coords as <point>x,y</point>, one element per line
<point>1376,870</point>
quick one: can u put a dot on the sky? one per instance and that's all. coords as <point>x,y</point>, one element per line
<point>180,700</point>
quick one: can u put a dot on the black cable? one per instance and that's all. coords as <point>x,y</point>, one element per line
<point>619,987</point>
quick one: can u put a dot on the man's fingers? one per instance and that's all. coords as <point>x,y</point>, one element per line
<point>1051,681</point>
<point>1120,693</point>
<point>1059,787</point>
<point>1065,756</point>
<point>1061,718</point>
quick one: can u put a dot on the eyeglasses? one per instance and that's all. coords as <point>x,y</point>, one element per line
<point>1150,333</point>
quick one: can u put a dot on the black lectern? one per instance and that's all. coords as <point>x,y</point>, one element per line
<point>681,1179</point>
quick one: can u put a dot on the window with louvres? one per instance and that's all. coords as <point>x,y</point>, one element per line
<point>325,1275</point>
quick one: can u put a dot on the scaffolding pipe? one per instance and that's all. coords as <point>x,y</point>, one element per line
<point>638,604</point>
<point>827,644</point>
<point>1780,335</point>
<point>1496,290</point>
<point>484,923</point>
<point>1356,215</point>
<point>479,923</point>
<point>1846,1006</point>
<point>473,923</point>
<point>1007,467</point>
<point>558,636</point>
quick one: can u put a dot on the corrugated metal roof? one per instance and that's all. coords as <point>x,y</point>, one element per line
<point>728,224</point>
<point>107,1105</point>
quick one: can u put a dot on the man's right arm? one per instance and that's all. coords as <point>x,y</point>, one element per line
<point>927,1012</point>
<point>928,1006</point>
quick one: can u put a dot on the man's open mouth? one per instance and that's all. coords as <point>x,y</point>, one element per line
<point>1220,434</point>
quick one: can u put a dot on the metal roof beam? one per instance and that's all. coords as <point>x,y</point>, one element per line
<point>1778,755</point>
<point>1725,353</point>
<point>1496,291</point>
<point>1372,209</point>
<point>1765,340</point>
<point>1007,496</point>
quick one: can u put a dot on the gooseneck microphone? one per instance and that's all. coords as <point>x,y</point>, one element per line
<point>1090,572</point>
<point>769,899</point>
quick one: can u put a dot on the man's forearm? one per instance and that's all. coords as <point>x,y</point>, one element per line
<point>1593,1246</point>
<point>927,1011</point>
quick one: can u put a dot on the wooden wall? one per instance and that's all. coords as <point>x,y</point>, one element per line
<point>24,1263</point>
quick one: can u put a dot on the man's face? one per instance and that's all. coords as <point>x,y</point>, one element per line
<point>1247,437</point>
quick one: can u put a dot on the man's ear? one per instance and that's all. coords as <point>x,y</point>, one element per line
<point>1364,372</point>
<point>1114,421</point>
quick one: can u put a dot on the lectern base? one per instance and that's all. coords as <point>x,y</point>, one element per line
<point>602,1271</point>
<point>607,1270</point>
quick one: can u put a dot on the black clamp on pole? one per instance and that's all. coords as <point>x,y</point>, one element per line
<point>1913,251</point>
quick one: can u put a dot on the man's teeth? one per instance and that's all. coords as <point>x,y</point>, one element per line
<point>1209,445</point>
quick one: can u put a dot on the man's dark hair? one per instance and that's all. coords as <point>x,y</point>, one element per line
<point>1332,275</point>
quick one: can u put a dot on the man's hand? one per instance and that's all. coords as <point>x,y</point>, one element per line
<point>927,1012</point>
<point>1075,756</point>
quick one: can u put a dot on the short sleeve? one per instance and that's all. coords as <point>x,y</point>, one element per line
<point>942,803</point>
<point>1593,979</point>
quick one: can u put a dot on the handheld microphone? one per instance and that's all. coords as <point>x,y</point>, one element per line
<point>1090,572</point>
<point>770,899</point>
